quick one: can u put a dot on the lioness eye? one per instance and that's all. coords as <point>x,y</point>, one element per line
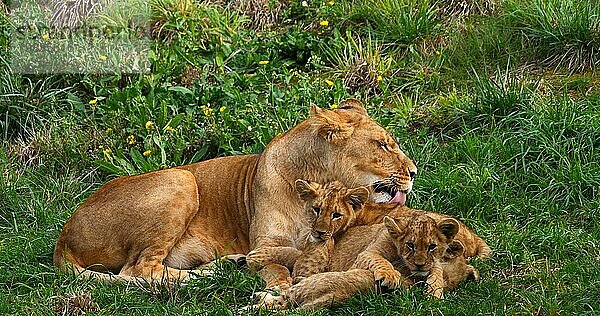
<point>317,210</point>
<point>432,247</point>
<point>410,245</point>
<point>336,215</point>
<point>384,145</point>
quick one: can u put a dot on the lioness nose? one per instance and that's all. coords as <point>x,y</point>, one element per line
<point>412,174</point>
<point>419,266</point>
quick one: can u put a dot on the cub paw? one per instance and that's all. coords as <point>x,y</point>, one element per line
<point>435,292</point>
<point>388,278</point>
<point>258,258</point>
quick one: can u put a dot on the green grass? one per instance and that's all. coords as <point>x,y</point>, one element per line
<point>499,108</point>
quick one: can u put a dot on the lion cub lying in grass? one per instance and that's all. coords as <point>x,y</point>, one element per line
<point>330,209</point>
<point>421,245</point>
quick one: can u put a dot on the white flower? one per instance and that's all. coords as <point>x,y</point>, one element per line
<point>304,4</point>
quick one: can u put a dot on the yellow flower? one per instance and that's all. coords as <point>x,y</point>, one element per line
<point>46,37</point>
<point>379,78</point>
<point>263,62</point>
<point>331,2</point>
<point>333,106</point>
<point>169,128</point>
<point>324,23</point>
<point>149,124</point>
<point>108,130</point>
<point>222,109</point>
<point>147,152</point>
<point>208,111</point>
<point>107,151</point>
<point>93,101</point>
<point>249,110</point>
<point>103,57</point>
<point>131,139</point>
<point>437,52</point>
<point>100,147</point>
<point>329,82</point>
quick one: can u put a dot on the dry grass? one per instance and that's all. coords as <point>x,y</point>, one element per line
<point>262,13</point>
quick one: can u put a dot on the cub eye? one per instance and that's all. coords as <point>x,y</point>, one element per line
<point>432,247</point>
<point>410,245</point>
<point>316,209</point>
<point>336,215</point>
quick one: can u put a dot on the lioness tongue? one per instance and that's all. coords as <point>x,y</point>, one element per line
<point>400,198</point>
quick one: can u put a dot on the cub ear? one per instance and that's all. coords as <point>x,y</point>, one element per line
<point>449,228</point>
<point>307,191</point>
<point>352,105</point>
<point>358,197</point>
<point>392,227</point>
<point>455,249</point>
<point>329,124</point>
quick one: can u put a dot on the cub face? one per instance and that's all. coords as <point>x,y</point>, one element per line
<point>333,207</point>
<point>421,241</point>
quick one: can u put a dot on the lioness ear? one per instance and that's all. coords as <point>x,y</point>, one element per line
<point>455,249</point>
<point>449,228</point>
<point>305,190</point>
<point>315,110</point>
<point>358,197</point>
<point>392,227</point>
<point>352,105</point>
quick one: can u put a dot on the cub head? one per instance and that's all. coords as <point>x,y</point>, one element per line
<point>420,240</point>
<point>333,206</point>
<point>361,153</point>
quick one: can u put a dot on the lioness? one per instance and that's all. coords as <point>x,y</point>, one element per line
<point>163,224</point>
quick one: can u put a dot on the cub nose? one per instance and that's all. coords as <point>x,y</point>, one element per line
<point>419,266</point>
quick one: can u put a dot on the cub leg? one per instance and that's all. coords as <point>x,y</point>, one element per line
<point>278,277</point>
<point>260,257</point>
<point>435,282</point>
<point>326,289</point>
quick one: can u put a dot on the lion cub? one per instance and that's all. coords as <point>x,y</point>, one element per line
<point>421,248</point>
<point>330,210</point>
<point>335,209</point>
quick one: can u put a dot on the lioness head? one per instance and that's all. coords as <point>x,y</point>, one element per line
<point>334,207</point>
<point>420,240</point>
<point>364,153</point>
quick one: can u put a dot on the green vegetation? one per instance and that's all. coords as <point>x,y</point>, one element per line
<point>498,102</point>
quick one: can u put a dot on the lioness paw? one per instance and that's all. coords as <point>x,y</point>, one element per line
<point>388,278</point>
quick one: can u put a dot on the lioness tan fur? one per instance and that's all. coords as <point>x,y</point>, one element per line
<point>163,224</point>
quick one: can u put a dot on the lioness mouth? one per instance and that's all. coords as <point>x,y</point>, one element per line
<point>385,193</point>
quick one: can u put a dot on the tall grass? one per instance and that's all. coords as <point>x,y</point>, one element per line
<point>562,34</point>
